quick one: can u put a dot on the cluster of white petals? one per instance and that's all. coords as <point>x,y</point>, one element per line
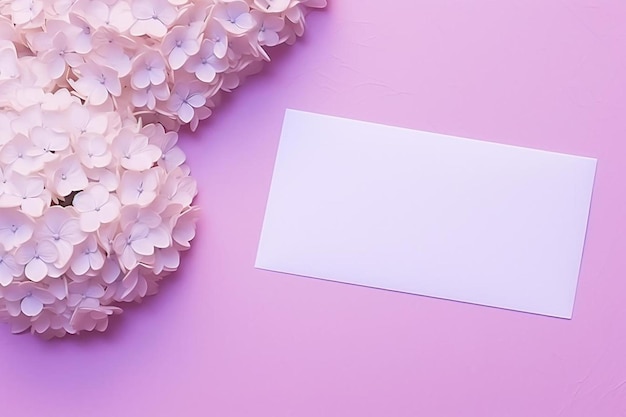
<point>94,208</point>
<point>95,196</point>
<point>161,60</point>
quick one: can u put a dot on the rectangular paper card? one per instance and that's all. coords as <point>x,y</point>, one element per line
<point>427,214</point>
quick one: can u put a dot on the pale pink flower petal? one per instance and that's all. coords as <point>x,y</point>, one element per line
<point>149,96</point>
<point>184,227</point>
<point>216,33</point>
<point>181,43</point>
<point>149,68</point>
<point>138,187</point>
<point>15,228</point>
<point>96,206</point>
<point>134,151</point>
<point>269,29</point>
<point>31,194</point>
<point>131,244</point>
<point>152,17</point>
<point>9,68</point>
<point>205,64</point>
<point>110,270</point>
<point>69,176</point>
<point>62,229</point>
<point>36,256</point>
<point>171,155</point>
<point>16,155</point>
<point>47,142</point>
<point>26,11</point>
<point>185,100</point>
<point>272,6</point>
<point>96,83</point>
<point>93,151</point>
<point>82,42</point>
<point>31,306</point>
<point>234,16</point>
<point>105,177</point>
<point>9,268</point>
<point>166,259</point>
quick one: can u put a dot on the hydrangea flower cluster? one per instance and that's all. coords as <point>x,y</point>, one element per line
<point>163,60</point>
<point>94,208</point>
<point>95,197</point>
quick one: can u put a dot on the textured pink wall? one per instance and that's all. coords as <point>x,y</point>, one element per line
<point>223,339</point>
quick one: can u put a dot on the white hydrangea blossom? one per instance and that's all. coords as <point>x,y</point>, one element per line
<point>95,196</point>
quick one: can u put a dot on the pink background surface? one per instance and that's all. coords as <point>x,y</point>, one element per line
<point>224,339</point>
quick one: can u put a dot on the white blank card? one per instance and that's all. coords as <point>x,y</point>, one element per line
<point>428,214</point>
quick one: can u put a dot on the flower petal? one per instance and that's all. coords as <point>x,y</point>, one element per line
<point>89,221</point>
<point>36,270</point>
<point>31,306</point>
<point>47,251</point>
<point>80,264</point>
<point>142,247</point>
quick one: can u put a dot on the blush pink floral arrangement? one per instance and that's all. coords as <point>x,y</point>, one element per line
<point>95,196</point>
